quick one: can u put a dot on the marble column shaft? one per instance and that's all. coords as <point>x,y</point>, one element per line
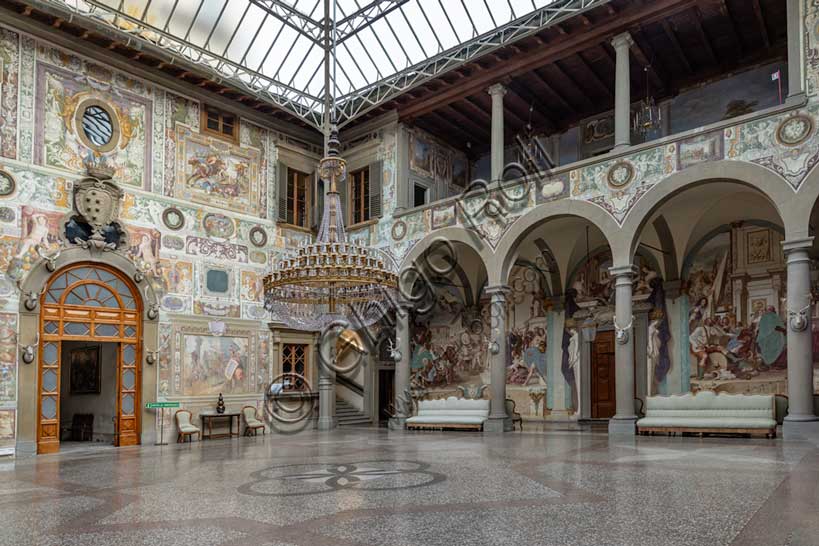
<point>497,92</point>
<point>622,91</point>
<point>624,418</point>
<point>498,420</point>
<point>800,343</point>
<point>327,397</point>
<point>402,366</point>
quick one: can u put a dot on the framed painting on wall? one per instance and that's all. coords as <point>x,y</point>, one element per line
<point>84,370</point>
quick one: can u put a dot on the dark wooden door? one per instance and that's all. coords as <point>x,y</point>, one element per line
<point>603,395</point>
<point>386,394</point>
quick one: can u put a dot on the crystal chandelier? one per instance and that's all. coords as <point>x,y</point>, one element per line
<point>648,116</point>
<point>331,279</point>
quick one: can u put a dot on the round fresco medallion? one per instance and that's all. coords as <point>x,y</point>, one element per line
<point>218,225</point>
<point>795,130</point>
<point>97,125</point>
<point>7,184</point>
<point>7,214</point>
<point>173,242</point>
<point>399,230</point>
<point>257,257</point>
<point>255,312</point>
<point>258,236</point>
<point>620,174</point>
<point>173,218</point>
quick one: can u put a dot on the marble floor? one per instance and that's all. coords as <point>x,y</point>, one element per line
<point>376,487</point>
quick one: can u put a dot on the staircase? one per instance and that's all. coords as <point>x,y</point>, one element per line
<point>349,416</point>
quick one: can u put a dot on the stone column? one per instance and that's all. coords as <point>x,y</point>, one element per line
<point>796,53</point>
<point>403,404</point>
<point>498,420</point>
<point>327,392</point>
<point>800,420</point>
<point>622,91</point>
<point>497,92</point>
<point>624,418</point>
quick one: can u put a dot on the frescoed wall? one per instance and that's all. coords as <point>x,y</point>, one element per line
<point>735,285</point>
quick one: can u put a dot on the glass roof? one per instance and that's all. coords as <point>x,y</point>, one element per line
<point>276,49</point>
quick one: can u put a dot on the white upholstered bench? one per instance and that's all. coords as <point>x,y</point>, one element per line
<point>707,412</point>
<point>454,413</point>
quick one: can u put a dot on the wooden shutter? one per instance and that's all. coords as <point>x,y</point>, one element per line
<point>282,195</point>
<point>342,196</point>
<point>376,174</point>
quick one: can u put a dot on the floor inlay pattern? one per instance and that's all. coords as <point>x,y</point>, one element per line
<point>358,487</point>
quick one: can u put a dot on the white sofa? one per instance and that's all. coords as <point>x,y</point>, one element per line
<point>450,413</point>
<point>708,412</point>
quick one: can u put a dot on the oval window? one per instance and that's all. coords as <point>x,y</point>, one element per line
<point>97,125</point>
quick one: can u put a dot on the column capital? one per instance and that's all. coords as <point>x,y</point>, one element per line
<point>622,40</point>
<point>498,291</point>
<point>497,89</point>
<point>793,245</point>
<point>622,271</point>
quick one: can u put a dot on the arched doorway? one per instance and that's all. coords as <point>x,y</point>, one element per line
<point>90,302</point>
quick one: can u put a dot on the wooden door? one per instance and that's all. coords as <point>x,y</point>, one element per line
<point>127,425</point>
<point>48,428</point>
<point>603,395</point>
<point>386,394</point>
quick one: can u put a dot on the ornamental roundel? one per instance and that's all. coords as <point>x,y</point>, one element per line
<point>794,130</point>
<point>173,218</point>
<point>399,230</point>
<point>620,174</point>
<point>7,184</point>
<point>258,236</point>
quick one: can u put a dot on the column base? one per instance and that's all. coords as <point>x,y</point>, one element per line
<point>25,448</point>
<point>623,426</point>
<point>397,423</point>
<point>495,425</point>
<point>801,430</point>
<point>326,423</point>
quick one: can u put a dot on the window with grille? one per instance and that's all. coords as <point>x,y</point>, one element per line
<point>219,123</point>
<point>360,196</point>
<point>298,198</point>
<point>294,361</point>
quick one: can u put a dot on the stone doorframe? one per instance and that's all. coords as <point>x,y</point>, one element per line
<point>31,288</point>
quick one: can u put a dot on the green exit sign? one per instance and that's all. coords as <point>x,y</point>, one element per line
<point>154,405</point>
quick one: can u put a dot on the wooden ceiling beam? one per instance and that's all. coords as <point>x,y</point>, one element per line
<point>576,89</point>
<point>566,46</point>
<point>605,89</point>
<point>760,20</point>
<point>675,45</point>
<point>483,131</point>
<point>655,72</point>
<point>540,119</point>
<point>452,128</point>
<point>726,12</point>
<point>560,99</point>
<point>706,41</point>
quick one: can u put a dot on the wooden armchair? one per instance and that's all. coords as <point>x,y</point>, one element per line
<point>252,424</point>
<point>184,426</point>
<point>513,415</point>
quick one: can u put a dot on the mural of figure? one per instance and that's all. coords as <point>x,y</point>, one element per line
<point>534,354</point>
<point>654,344</point>
<point>770,338</point>
<point>573,351</point>
<point>37,235</point>
<point>144,252</point>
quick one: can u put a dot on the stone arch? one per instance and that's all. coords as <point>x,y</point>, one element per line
<point>803,206</point>
<point>506,251</point>
<point>32,286</point>
<point>772,186</point>
<point>444,236</point>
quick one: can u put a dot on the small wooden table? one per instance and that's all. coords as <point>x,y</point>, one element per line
<point>207,419</point>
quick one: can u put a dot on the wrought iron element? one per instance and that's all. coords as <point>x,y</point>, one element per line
<point>331,280</point>
<point>50,259</point>
<point>798,320</point>
<point>648,115</point>
<point>29,352</point>
<point>367,81</point>
<point>622,334</point>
